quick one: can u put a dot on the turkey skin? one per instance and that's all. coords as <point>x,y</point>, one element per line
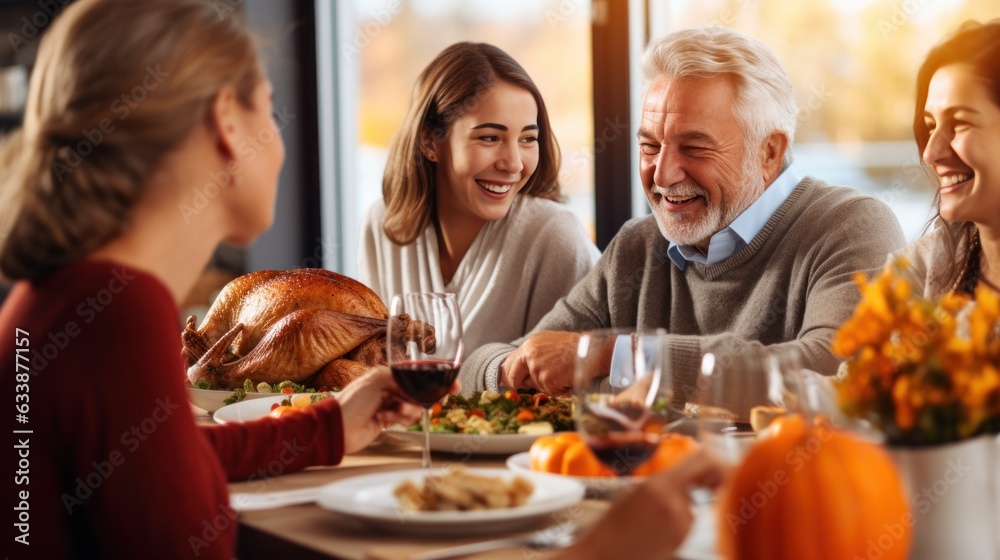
<point>309,325</point>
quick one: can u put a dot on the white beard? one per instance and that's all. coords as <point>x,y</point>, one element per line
<point>718,214</point>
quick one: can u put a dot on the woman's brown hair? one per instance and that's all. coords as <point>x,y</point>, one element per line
<point>977,46</point>
<point>450,86</point>
<point>117,84</point>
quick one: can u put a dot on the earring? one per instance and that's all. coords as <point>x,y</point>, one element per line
<point>431,157</point>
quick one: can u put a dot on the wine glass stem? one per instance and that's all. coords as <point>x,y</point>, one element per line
<point>426,461</point>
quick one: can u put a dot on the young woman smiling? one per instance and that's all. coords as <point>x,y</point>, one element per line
<point>469,199</point>
<point>957,128</point>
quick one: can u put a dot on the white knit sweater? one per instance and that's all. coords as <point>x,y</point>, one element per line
<point>513,274</point>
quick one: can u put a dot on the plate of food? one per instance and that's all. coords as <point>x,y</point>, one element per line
<point>465,444</point>
<point>489,423</point>
<point>268,405</point>
<point>451,501</point>
<point>205,396</point>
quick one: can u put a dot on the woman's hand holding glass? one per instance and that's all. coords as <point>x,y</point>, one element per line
<point>424,347</point>
<point>615,397</point>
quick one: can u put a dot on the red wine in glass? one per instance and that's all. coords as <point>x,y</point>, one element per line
<point>623,452</point>
<point>424,350</point>
<point>425,381</point>
<point>622,436</point>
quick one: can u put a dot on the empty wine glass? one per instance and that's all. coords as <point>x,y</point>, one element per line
<point>424,350</point>
<point>619,377</point>
<point>740,393</point>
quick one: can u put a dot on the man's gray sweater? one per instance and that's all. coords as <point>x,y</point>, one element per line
<point>791,286</point>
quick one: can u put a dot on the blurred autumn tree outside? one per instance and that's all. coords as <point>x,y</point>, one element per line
<point>853,64</point>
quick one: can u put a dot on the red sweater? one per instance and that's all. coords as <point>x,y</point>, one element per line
<point>115,466</point>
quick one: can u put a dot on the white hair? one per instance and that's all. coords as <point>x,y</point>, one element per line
<point>765,97</point>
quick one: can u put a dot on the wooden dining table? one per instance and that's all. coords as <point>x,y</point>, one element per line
<point>308,532</point>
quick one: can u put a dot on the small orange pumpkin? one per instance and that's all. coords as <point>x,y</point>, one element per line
<point>811,492</point>
<point>565,453</point>
<point>579,460</point>
<point>546,453</point>
<point>671,450</point>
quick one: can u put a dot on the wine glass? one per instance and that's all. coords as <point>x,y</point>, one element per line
<point>619,377</point>
<point>424,350</point>
<point>739,394</point>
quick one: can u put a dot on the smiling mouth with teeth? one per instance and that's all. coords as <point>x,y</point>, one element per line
<point>495,188</point>
<point>951,180</point>
<point>680,199</point>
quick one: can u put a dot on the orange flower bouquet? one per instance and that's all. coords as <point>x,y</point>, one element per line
<point>923,373</point>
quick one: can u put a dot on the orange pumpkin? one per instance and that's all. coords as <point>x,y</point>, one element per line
<point>671,450</point>
<point>579,460</point>
<point>810,492</point>
<point>546,453</point>
<point>565,453</point>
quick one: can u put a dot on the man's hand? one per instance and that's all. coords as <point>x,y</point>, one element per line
<point>545,361</point>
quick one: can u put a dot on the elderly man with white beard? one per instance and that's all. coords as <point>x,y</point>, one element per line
<point>740,252</point>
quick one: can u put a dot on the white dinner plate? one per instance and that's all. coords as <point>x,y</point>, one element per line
<point>595,485</point>
<point>600,486</point>
<point>700,541</point>
<point>370,498</point>
<point>252,409</point>
<point>212,399</point>
<point>466,444</point>
<point>247,410</point>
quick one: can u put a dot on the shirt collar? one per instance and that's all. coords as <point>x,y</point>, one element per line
<point>726,242</point>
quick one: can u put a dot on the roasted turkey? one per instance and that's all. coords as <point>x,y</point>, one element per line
<point>309,325</point>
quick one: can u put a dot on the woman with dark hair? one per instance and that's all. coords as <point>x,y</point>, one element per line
<point>957,128</point>
<point>469,199</point>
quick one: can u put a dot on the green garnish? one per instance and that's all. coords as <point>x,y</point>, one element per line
<point>249,386</point>
<point>237,396</point>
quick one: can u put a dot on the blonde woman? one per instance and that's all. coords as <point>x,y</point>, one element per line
<point>957,128</point>
<point>469,199</point>
<point>92,225</point>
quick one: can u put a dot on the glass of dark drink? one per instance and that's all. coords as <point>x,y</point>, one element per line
<point>741,393</point>
<point>619,384</point>
<point>424,350</point>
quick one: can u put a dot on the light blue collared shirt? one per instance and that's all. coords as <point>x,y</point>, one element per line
<point>721,246</point>
<point>744,228</point>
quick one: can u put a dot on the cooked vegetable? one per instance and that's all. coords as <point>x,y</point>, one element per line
<point>490,412</point>
<point>296,403</point>
<point>240,393</point>
<point>459,490</point>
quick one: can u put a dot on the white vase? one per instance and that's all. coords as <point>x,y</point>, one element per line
<point>954,493</point>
